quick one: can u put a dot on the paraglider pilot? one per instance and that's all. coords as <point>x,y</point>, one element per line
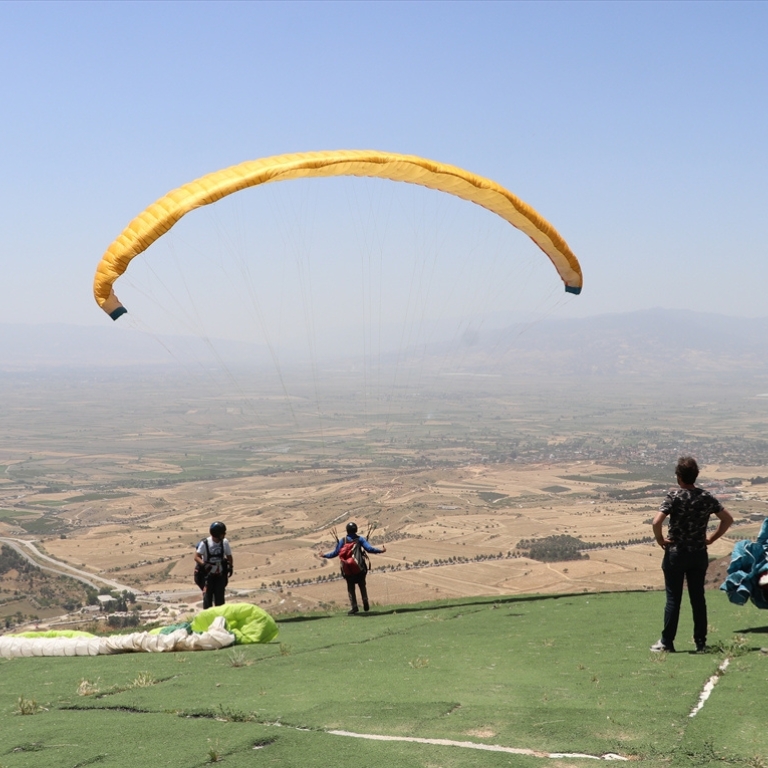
<point>351,551</point>
<point>214,565</point>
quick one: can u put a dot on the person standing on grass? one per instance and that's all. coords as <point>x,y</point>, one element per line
<point>354,564</point>
<point>214,557</point>
<point>685,551</point>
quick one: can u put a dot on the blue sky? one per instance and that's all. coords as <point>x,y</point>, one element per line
<point>638,129</point>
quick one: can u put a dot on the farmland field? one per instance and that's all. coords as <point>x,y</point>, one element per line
<point>120,477</point>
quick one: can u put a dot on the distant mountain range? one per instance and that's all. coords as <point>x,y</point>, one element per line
<point>58,345</point>
<point>655,342</point>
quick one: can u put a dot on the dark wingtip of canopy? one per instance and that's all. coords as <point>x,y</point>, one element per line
<point>115,313</point>
<point>573,289</point>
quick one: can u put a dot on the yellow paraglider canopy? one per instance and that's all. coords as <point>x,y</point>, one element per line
<point>156,220</point>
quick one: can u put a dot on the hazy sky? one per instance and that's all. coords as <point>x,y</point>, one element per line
<point>639,129</point>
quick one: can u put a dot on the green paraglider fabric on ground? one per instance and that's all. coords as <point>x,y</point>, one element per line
<point>55,633</point>
<point>247,622</point>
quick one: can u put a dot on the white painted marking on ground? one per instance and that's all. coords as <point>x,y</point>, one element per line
<point>475,745</point>
<point>709,685</point>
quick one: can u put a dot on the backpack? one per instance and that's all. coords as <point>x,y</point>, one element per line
<point>353,558</point>
<point>201,574</point>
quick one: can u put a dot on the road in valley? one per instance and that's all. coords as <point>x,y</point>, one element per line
<point>30,552</point>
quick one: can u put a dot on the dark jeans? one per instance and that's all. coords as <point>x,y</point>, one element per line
<point>359,579</point>
<point>691,566</point>
<point>214,589</point>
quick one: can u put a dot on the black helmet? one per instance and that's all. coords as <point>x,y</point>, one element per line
<point>351,529</point>
<point>218,529</point>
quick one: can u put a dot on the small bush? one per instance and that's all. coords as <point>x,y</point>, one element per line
<point>143,680</point>
<point>28,707</point>
<point>233,715</point>
<point>214,755</point>
<point>87,688</point>
<point>237,659</point>
<point>736,646</point>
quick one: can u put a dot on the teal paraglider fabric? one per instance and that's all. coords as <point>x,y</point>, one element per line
<point>749,561</point>
<point>247,622</point>
<point>171,628</point>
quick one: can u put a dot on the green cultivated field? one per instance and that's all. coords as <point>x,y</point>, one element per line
<point>568,674</point>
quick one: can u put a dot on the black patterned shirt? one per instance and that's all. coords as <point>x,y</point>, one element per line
<point>689,512</point>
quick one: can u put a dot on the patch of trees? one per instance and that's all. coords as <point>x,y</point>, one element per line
<point>638,493</point>
<point>126,620</point>
<point>11,560</point>
<point>399,536</point>
<point>120,602</point>
<point>554,548</point>
<point>563,547</point>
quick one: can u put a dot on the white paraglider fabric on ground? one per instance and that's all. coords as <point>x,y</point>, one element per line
<point>214,638</point>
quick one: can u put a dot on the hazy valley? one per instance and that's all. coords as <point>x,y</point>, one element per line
<point>466,465</point>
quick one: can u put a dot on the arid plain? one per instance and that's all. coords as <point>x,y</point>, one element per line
<point>120,476</point>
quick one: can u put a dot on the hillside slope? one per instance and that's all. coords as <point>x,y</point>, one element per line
<point>502,682</point>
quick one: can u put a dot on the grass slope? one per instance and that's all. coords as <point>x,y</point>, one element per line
<point>553,674</point>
